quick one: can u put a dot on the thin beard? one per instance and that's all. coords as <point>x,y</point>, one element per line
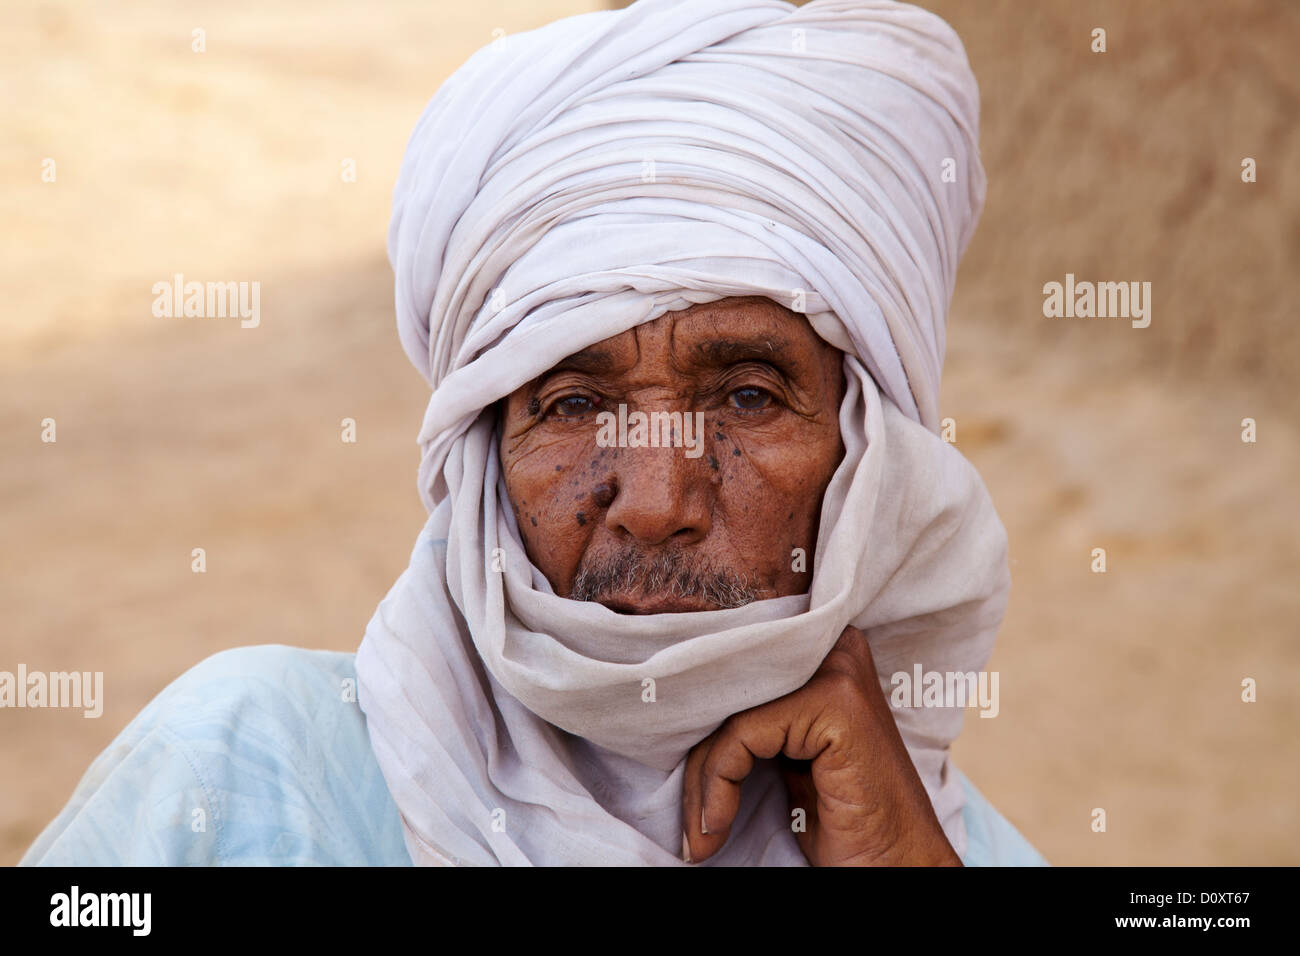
<point>633,573</point>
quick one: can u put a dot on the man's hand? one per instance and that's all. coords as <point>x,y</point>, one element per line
<point>844,764</point>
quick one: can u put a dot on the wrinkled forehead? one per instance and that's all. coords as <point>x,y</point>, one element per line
<point>705,337</point>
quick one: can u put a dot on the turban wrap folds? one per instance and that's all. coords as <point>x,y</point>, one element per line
<point>568,184</point>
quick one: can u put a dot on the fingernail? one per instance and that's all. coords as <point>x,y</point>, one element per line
<point>686,848</point>
<point>704,827</point>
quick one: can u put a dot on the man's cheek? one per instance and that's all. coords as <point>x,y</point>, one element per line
<point>553,544</point>
<point>798,471</point>
<point>541,462</point>
<point>770,508</point>
<point>752,471</point>
<point>752,517</point>
<point>551,483</point>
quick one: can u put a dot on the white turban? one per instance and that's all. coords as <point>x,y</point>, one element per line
<point>573,182</point>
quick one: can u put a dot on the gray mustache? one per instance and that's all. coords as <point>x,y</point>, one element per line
<point>635,573</point>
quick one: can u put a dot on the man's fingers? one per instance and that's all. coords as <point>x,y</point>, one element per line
<point>755,734</point>
<point>698,846</point>
<point>716,767</point>
<point>719,764</point>
<point>721,775</point>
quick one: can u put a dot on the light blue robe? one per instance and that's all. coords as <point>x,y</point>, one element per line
<point>259,756</point>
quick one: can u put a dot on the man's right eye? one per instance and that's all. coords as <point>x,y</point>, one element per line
<point>572,406</point>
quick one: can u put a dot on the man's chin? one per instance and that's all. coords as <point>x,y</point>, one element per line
<point>652,605</point>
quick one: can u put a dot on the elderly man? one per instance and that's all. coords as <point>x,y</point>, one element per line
<point>678,276</point>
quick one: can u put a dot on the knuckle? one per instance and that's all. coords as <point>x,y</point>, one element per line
<point>843,688</point>
<point>714,762</point>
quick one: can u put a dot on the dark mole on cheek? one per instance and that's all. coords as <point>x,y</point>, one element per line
<point>582,518</point>
<point>534,406</point>
<point>533,519</point>
<point>603,495</point>
<point>559,468</point>
<point>735,451</point>
<point>718,435</point>
<point>713,463</point>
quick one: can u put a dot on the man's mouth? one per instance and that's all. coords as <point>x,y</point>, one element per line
<point>660,583</point>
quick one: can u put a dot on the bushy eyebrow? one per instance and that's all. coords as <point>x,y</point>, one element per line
<point>591,360</point>
<point>774,350</point>
<point>771,349</point>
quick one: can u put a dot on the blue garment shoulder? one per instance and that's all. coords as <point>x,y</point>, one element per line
<point>255,756</point>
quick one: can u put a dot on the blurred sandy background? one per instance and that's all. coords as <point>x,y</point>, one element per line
<point>1119,690</point>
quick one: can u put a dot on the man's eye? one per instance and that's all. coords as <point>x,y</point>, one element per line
<point>573,406</point>
<point>750,399</point>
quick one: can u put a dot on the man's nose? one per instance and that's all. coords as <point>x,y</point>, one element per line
<point>662,495</point>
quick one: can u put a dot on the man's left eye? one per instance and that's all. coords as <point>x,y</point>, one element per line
<point>750,399</point>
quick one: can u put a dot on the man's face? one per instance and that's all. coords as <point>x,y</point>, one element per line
<point>648,530</point>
